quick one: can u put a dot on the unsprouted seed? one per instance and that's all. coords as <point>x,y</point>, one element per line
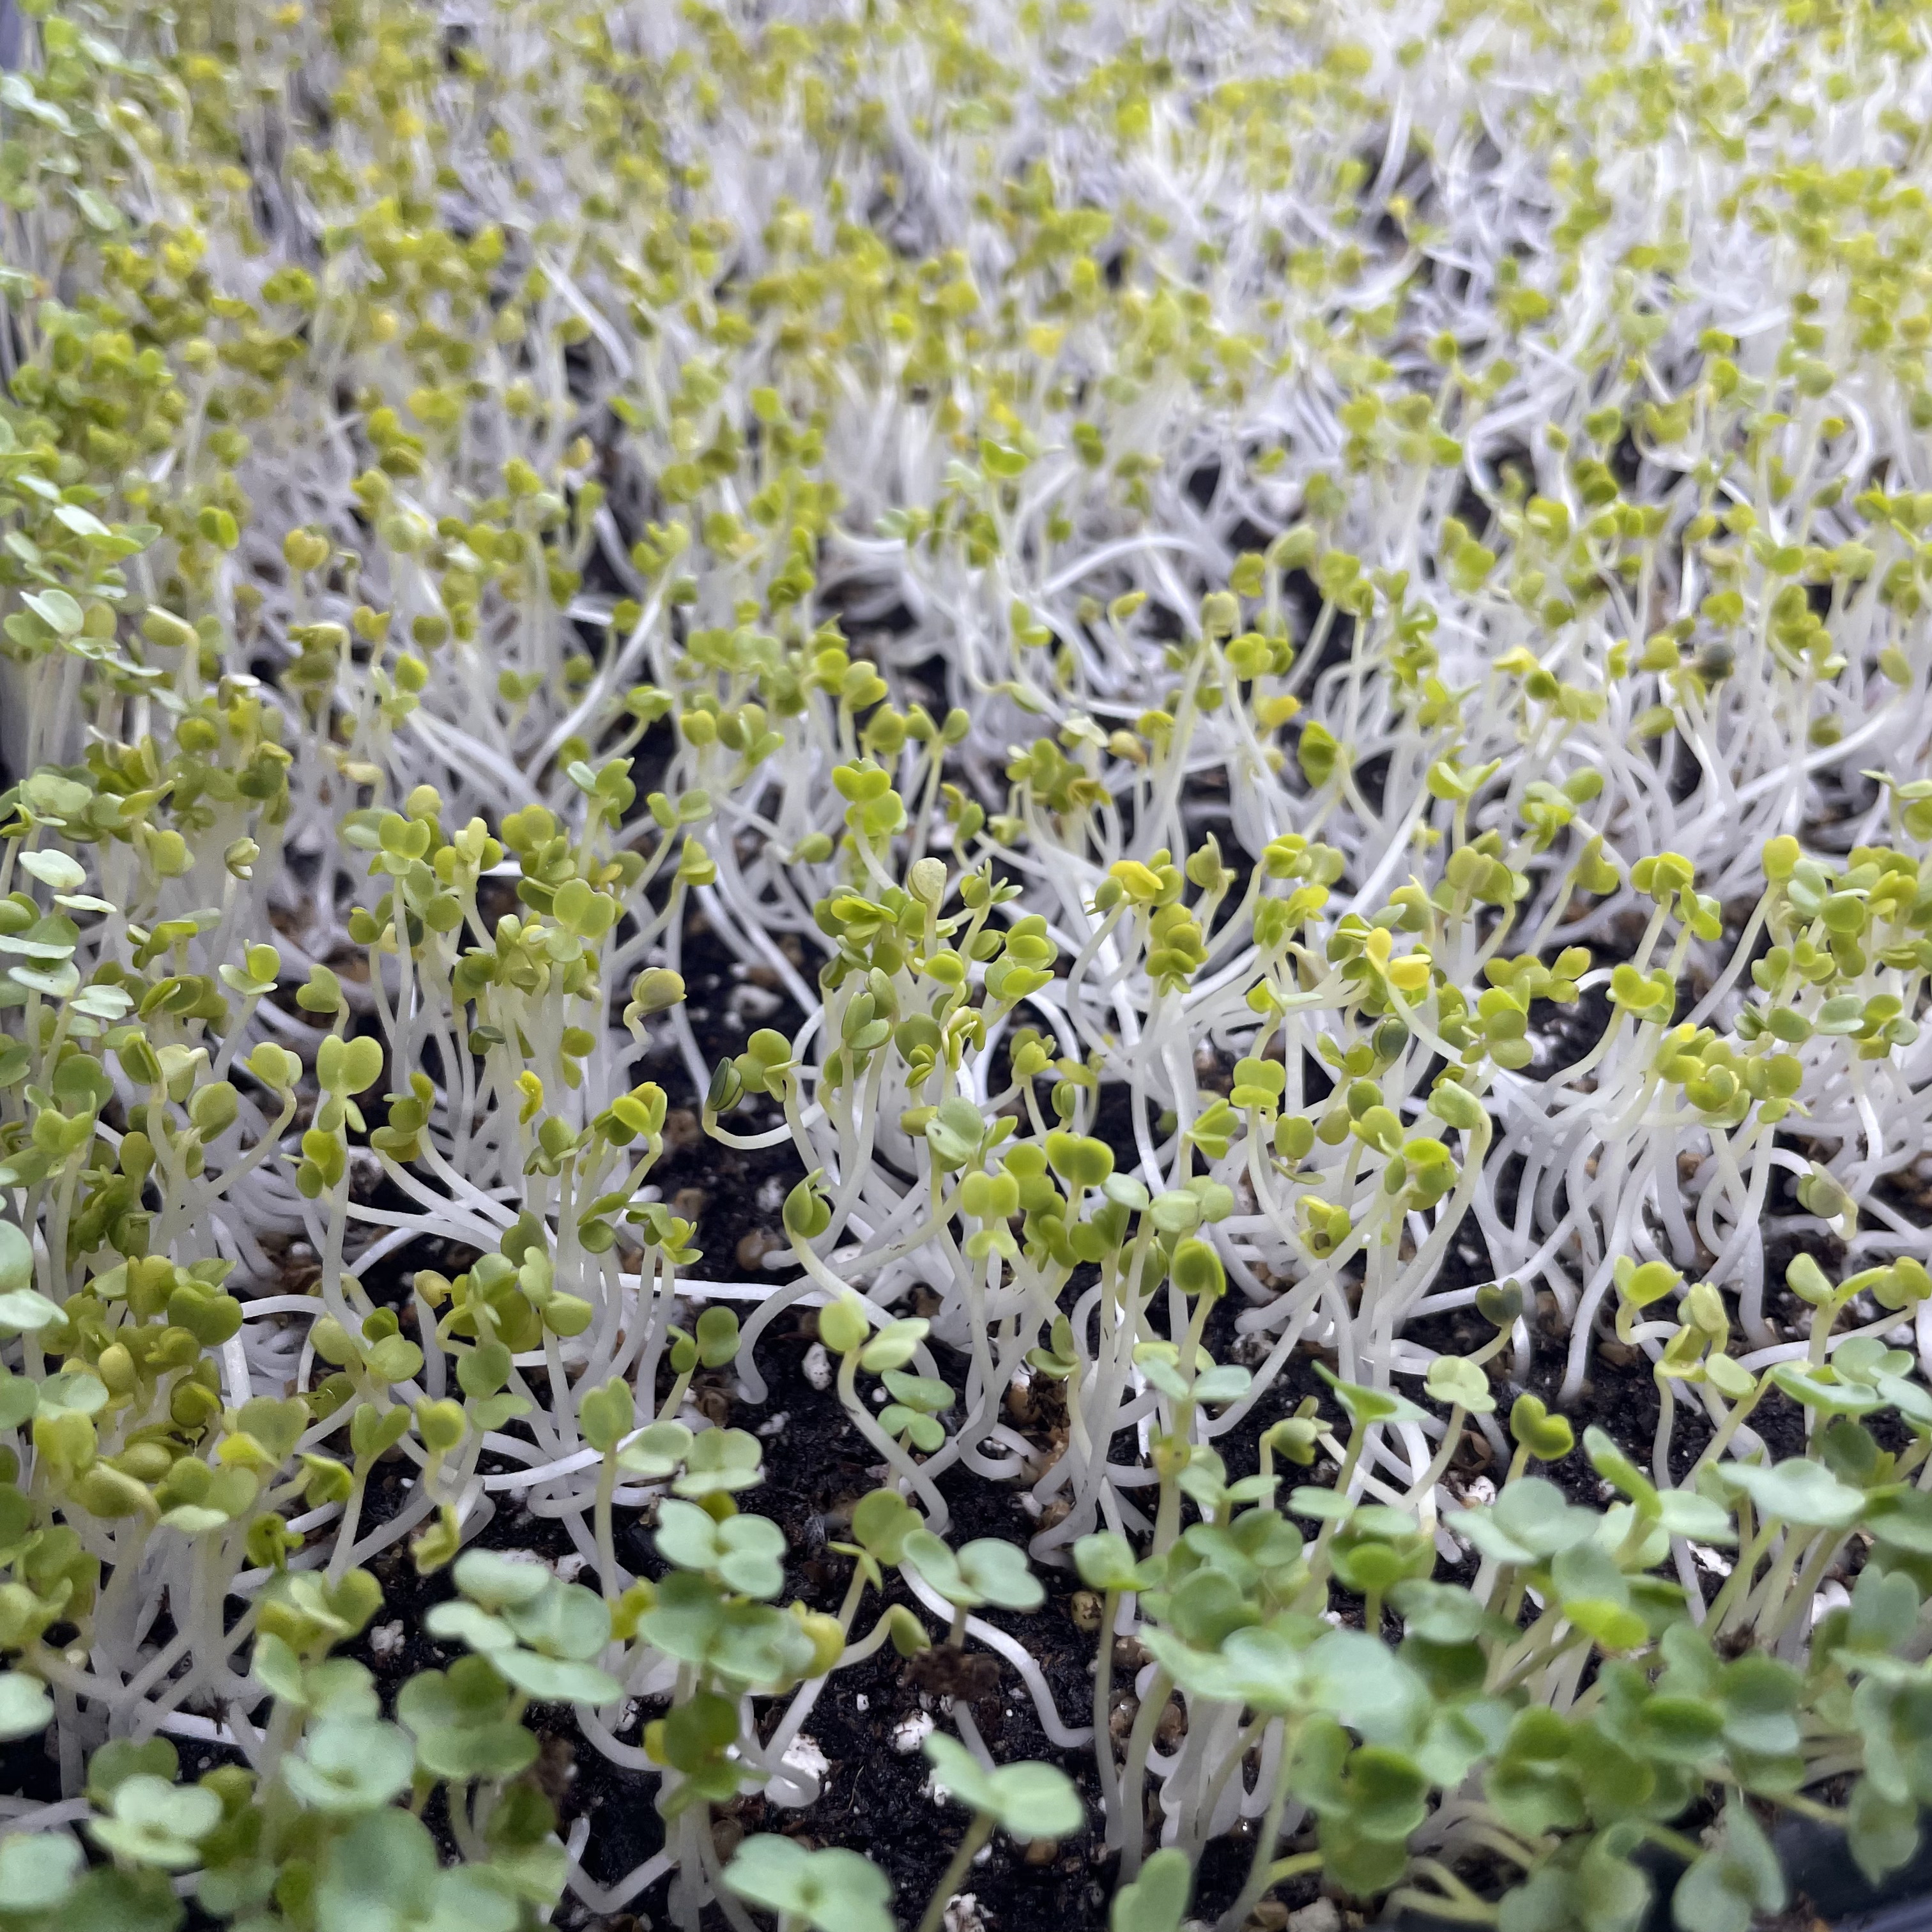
<point>1286,647</point>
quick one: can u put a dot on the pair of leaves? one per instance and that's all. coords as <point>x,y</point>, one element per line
<point>460,1719</point>
<point>382,1876</point>
<point>1026,1800</point>
<point>746,1553</point>
<point>831,1891</point>
<point>350,1764</point>
<point>538,1633</point>
<point>715,1462</point>
<point>986,1570</point>
<point>152,1822</point>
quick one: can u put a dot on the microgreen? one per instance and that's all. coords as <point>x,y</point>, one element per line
<point>828,1890</point>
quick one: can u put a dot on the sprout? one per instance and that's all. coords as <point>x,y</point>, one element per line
<point>1027,1801</point>
<point>350,1764</point>
<point>383,1874</point>
<point>827,1891</point>
<point>154,1823</point>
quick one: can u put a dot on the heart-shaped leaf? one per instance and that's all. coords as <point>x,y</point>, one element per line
<point>1548,1438</point>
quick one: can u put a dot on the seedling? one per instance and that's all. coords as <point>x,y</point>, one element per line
<point>829,1891</point>
<point>1025,1800</point>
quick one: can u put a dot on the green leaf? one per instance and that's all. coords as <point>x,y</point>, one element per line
<point>717,1337</point>
<point>1106,1562</point>
<point>1355,1677</point>
<point>955,1132</point>
<point>157,1823</point>
<point>1365,1405</point>
<point>893,1346</point>
<point>745,1552</point>
<point>1321,1505</point>
<point>381,1875</point>
<point>1727,1886</point>
<point>1614,1894</point>
<point>1587,1569</point>
<point>1157,1900</point>
<point>1613,1627</point>
<point>1548,1438</point>
<point>106,1900</point>
<point>1686,1512</point>
<point>959,1774</point>
<point>1821,1390</point>
<point>1884,1612</point>
<point>349,1765</point>
<point>1686,1729</point>
<point>19,1397</point>
<point>1453,1380</point>
<point>1254,1665</point>
<point>1883,1833</point>
<point>55,869</point>
<point>922,1393</point>
<point>752,1644</point>
<point>1796,1491</point>
<point>499,1583</point>
<point>684,1620</point>
<point>1760,1697</point>
<point>1360,1863</point>
<point>277,1425</point>
<point>555,1680</point>
<point>1224,1383</point>
<point>1027,1801</point>
<point>720,1460</point>
<point>1529,1523</point>
<point>605,1415</point>
<point>74,1388</point>
<point>1153,1360</point>
<point>37,1870</point>
<point>1900,1515</point>
<point>121,1758</point>
<point>62,614</point>
<point>935,1564</point>
<point>1442,1613</point>
<point>460,1719</point>
<point>1388,1792</point>
<point>655,1451</point>
<point>25,1709</point>
<point>881,1521</point>
<point>997,1572</point>
<point>466,1623</point>
<point>565,1620</point>
<point>16,1259</point>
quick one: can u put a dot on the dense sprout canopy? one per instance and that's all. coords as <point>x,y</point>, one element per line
<point>1233,697</point>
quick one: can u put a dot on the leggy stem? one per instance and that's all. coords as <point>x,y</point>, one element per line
<point>1261,1874</point>
<point>1103,1699</point>
<point>1140,1740</point>
<point>977,1833</point>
